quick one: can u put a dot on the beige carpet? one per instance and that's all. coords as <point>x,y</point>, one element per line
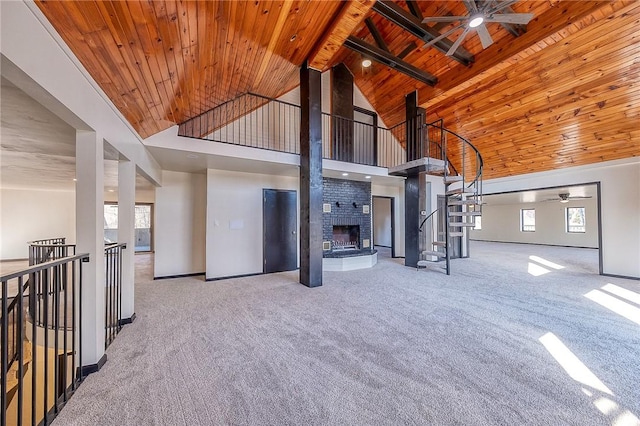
<point>498,342</point>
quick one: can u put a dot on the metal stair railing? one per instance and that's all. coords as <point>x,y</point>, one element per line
<point>463,187</point>
<point>55,357</point>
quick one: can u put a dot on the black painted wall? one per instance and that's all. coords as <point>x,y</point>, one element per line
<point>346,192</point>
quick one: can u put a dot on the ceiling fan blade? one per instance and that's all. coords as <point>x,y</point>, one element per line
<point>485,37</point>
<point>580,198</point>
<point>442,36</point>
<point>443,19</point>
<point>457,43</point>
<point>501,6</point>
<point>471,6</point>
<point>510,18</point>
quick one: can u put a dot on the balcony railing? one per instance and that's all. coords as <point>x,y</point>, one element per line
<point>256,121</point>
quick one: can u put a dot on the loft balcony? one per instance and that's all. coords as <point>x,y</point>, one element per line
<point>256,121</point>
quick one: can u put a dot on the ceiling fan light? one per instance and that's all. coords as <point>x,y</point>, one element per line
<point>564,200</point>
<point>366,63</point>
<point>476,21</point>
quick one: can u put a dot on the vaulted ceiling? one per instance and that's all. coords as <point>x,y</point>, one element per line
<point>565,92</point>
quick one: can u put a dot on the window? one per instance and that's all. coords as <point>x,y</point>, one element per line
<point>110,223</point>
<point>528,220</point>
<point>142,225</point>
<point>575,219</point>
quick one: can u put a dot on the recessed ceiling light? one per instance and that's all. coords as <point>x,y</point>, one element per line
<point>366,63</point>
<point>75,180</point>
<point>110,190</point>
<point>345,174</point>
<point>367,177</point>
<point>476,21</point>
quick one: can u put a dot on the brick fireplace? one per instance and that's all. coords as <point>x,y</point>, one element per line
<point>346,218</point>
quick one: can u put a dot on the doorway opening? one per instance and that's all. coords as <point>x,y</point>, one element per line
<point>383,225</point>
<point>143,226</point>
<point>565,216</point>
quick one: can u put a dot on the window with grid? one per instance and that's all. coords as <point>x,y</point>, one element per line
<point>528,220</point>
<point>576,220</point>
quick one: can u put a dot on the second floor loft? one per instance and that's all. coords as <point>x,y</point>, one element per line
<point>255,121</point>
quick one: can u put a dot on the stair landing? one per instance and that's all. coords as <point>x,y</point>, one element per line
<point>425,164</point>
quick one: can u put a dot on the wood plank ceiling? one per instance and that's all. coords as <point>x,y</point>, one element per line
<point>564,93</point>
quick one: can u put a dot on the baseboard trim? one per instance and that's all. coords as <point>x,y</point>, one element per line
<point>228,277</point>
<point>168,277</point>
<point>620,276</point>
<point>125,321</point>
<point>94,368</point>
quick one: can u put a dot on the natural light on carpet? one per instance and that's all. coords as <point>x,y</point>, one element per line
<point>581,373</point>
<point>546,262</point>
<point>616,305</point>
<point>631,296</point>
<point>536,269</point>
<point>572,364</point>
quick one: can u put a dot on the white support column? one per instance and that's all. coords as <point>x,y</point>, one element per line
<point>126,233</point>
<point>90,239</point>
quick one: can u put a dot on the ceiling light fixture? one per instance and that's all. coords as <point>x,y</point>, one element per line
<point>345,174</point>
<point>367,177</point>
<point>476,21</point>
<point>75,180</point>
<point>564,201</point>
<point>366,63</point>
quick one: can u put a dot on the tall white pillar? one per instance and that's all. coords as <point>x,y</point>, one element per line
<point>90,239</point>
<point>126,233</point>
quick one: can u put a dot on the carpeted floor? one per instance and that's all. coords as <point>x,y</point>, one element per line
<point>497,342</point>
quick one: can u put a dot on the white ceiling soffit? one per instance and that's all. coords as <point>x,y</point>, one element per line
<point>37,148</point>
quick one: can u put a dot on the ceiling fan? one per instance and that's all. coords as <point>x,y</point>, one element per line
<point>480,12</point>
<point>566,197</point>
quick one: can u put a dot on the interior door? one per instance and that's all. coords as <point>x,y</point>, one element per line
<point>280,224</point>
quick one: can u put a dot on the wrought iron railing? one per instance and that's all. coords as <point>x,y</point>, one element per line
<point>41,251</point>
<point>113,291</point>
<point>49,355</point>
<point>259,122</point>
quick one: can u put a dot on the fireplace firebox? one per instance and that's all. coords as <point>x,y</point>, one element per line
<point>346,237</point>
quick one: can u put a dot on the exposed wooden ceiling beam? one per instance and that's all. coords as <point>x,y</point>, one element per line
<point>386,58</point>
<point>376,34</point>
<point>410,48</point>
<point>415,9</point>
<point>413,25</point>
<point>348,18</point>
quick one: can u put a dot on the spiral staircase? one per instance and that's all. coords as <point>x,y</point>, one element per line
<point>460,164</point>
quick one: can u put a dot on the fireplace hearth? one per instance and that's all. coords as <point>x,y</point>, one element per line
<point>346,237</point>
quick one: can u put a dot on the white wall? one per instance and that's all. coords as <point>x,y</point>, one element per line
<point>397,192</point>
<point>27,215</point>
<point>382,222</point>
<point>620,200</point>
<point>180,224</point>
<point>236,196</point>
<point>502,223</point>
